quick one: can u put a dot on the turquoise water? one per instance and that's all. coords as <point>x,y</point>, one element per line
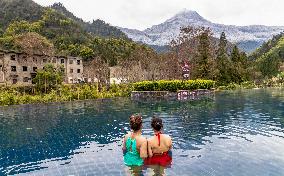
<point>236,133</point>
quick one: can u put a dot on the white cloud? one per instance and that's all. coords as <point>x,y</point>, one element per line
<point>140,14</point>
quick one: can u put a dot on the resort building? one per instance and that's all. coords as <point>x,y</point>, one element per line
<point>74,69</point>
<point>20,68</point>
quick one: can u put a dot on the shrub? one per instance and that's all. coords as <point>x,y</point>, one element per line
<point>173,86</point>
<point>248,85</point>
<point>11,95</point>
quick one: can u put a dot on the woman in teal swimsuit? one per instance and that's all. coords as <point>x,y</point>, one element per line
<point>134,144</point>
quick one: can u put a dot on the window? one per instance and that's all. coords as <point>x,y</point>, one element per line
<point>34,69</point>
<point>13,57</point>
<point>78,62</point>
<point>70,61</point>
<point>26,79</point>
<point>1,68</point>
<point>34,59</point>
<point>13,68</point>
<point>44,60</point>
<point>14,81</point>
<point>62,61</point>
<point>71,70</point>
<point>25,68</point>
<point>78,70</point>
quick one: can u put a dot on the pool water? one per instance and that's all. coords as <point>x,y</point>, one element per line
<point>236,133</point>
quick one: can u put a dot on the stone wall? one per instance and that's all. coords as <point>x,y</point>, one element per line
<point>180,95</point>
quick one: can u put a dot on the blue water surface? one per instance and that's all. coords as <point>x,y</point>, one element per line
<point>236,133</point>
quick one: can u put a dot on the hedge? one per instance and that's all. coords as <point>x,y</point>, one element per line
<point>173,85</point>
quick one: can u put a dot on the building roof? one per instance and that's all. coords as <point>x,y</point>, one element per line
<point>18,52</point>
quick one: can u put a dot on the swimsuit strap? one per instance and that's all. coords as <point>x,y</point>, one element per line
<point>131,144</point>
<point>159,137</point>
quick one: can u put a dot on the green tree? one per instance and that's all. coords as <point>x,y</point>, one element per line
<point>238,69</point>
<point>21,27</point>
<point>223,62</point>
<point>269,64</point>
<point>7,43</point>
<point>202,68</point>
<point>49,78</point>
<point>235,55</point>
<point>86,52</point>
<point>1,32</point>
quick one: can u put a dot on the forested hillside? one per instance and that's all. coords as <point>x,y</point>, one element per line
<point>270,56</point>
<point>28,10</point>
<point>51,32</point>
<point>266,46</point>
<point>15,10</point>
<point>97,27</point>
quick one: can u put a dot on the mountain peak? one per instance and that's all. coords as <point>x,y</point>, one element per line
<point>187,11</point>
<point>58,6</point>
<point>189,15</point>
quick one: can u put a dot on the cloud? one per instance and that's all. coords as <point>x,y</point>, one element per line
<point>140,14</point>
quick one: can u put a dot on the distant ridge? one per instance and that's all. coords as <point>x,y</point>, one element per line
<point>96,27</point>
<point>16,10</point>
<point>247,38</point>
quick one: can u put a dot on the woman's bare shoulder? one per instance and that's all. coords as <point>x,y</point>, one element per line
<point>127,135</point>
<point>167,136</point>
<point>150,139</point>
<point>142,139</point>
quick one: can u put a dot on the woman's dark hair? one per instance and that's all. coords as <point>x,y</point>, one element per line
<point>135,122</point>
<point>157,123</point>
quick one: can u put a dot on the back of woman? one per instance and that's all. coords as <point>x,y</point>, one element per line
<point>134,144</point>
<point>159,145</point>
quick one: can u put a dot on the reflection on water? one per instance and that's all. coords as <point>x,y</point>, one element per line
<point>237,133</point>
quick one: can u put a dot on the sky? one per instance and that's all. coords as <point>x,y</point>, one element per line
<point>142,14</point>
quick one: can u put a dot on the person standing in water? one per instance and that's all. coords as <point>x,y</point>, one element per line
<point>134,144</point>
<point>159,146</point>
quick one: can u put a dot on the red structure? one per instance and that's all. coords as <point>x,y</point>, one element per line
<point>185,70</point>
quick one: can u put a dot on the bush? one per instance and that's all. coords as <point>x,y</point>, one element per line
<point>248,85</point>
<point>8,98</point>
<point>24,95</point>
<point>173,86</point>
